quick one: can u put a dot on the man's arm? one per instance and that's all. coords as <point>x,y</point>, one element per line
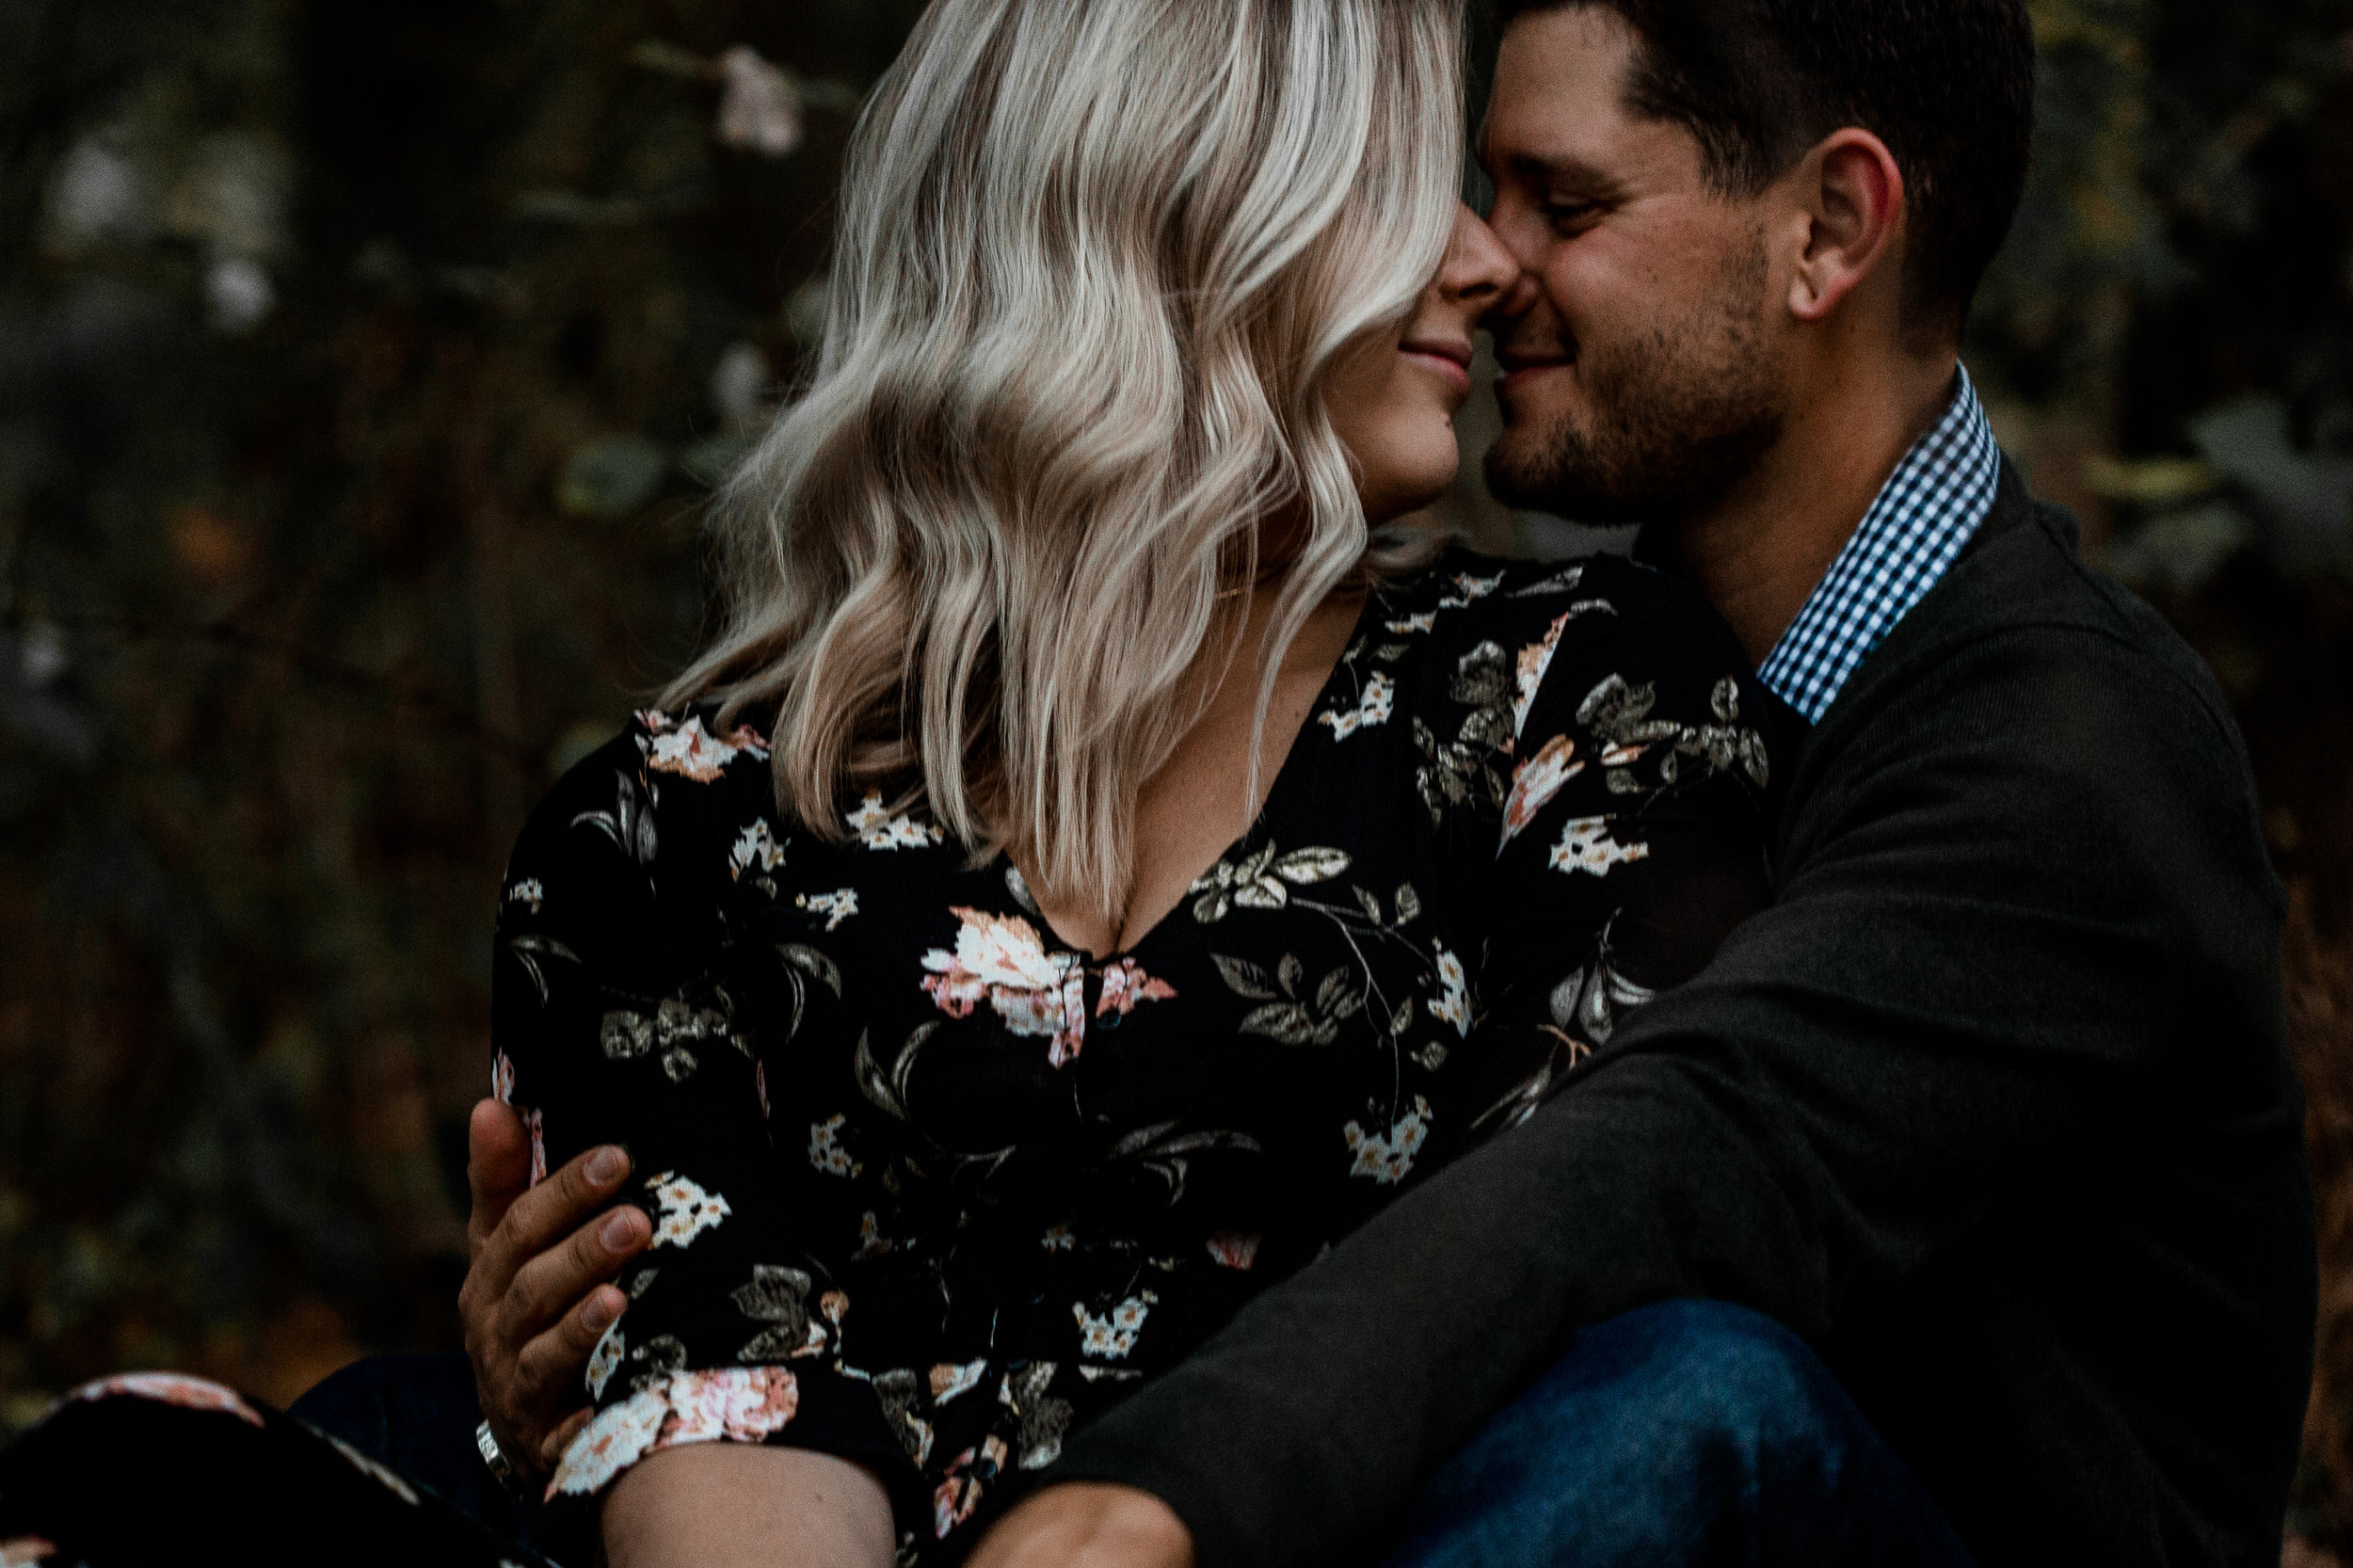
<point>2017,885</point>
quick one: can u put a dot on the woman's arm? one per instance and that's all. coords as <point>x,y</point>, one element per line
<point>729,1505</point>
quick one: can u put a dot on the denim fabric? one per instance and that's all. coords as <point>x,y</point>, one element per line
<point>1690,1434</point>
<point>417,1413</point>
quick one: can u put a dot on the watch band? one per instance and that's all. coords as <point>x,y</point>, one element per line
<point>495,1457</point>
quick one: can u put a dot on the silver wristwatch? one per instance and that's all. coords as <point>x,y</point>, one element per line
<point>495,1457</point>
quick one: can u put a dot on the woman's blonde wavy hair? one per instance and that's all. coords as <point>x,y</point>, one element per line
<point>1095,261</point>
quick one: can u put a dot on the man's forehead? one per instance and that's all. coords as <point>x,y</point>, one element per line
<point>1559,100</point>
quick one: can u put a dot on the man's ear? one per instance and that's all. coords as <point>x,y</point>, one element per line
<point>1851,196</point>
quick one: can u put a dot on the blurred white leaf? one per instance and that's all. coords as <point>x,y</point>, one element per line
<point>233,196</point>
<point>758,109</point>
<point>2180,549</point>
<point>238,294</point>
<point>739,385</point>
<point>95,196</point>
<point>612,476</point>
<point>805,312</point>
<point>2304,499</point>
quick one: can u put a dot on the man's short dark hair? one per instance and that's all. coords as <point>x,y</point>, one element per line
<point>1947,84</point>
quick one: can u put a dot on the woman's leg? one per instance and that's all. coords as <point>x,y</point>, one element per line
<point>1691,1434</point>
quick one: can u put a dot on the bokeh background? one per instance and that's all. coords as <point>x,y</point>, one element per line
<point>362,370</point>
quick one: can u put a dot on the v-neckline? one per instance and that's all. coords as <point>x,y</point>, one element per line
<point>1257,822</point>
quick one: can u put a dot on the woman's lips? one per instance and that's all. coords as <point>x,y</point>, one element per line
<point>1443,360</point>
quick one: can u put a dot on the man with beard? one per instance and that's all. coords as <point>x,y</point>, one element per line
<point>1958,1210</point>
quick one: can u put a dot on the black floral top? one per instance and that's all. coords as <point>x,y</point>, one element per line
<point>929,1187</point>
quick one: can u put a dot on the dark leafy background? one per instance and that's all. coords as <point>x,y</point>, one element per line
<point>362,368</point>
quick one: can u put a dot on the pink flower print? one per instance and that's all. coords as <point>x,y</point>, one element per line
<point>539,1147</point>
<point>687,1210</point>
<point>959,1494</point>
<point>693,752</point>
<point>1125,984</point>
<point>737,1404</point>
<point>171,1388</point>
<point>1233,1250</point>
<point>502,1078</point>
<point>1534,783</point>
<point>1374,706</point>
<point>1002,959</point>
<point>1528,672</point>
<point>950,1378</point>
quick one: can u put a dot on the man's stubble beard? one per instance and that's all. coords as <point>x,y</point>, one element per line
<point>1680,415</point>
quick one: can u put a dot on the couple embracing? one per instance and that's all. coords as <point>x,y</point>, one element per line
<point>1126,1013</point>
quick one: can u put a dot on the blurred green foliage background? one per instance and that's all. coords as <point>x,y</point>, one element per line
<point>361,369</point>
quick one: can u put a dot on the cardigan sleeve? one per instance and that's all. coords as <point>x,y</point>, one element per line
<point>2008,898</point>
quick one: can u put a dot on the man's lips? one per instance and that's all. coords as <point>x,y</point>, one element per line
<point>1520,369</point>
<point>1449,360</point>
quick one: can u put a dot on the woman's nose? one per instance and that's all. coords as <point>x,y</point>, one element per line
<point>1478,269</point>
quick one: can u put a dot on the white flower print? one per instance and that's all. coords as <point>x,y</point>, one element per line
<point>949,1378</point>
<point>171,1388</point>
<point>1058,1238</point>
<point>1586,846</point>
<point>755,847</point>
<point>1233,1250</point>
<point>877,828</point>
<point>742,1404</point>
<point>528,891</point>
<point>1528,672</point>
<point>1410,624</point>
<point>1113,1335</point>
<point>605,1358</point>
<point>693,752</point>
<point>687,1210</point>
<point>1467,588</point>
<point>1002,960</point>
<point>1387,1157</point>
<point>502,1078</point>
<point>869,1238</point>
<point>836,906</point>
<point>539,1146</point>
<point>1373,707</point>
<point>1452,1003</point>
<point>826,1151</point>
<point>1534,782</point>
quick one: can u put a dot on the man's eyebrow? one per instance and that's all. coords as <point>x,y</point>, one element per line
<point>1559,170</point>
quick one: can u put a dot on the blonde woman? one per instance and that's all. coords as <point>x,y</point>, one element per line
<point>1095,867</point>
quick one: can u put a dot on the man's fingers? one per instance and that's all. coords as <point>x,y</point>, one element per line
<point>548,1372</point>
<point>547,1212</point>
<point>498,1166</point>
<point>551,1451</point>
<point>551,1284</point>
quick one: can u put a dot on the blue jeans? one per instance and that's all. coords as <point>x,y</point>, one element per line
<point>1690,1434</point>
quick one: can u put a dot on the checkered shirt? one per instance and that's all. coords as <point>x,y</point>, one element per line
<point>1927,510</point>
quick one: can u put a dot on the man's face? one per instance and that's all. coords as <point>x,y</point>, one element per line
<point>1643,369</point>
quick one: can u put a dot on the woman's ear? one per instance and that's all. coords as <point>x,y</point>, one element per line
<point>1850,194</point>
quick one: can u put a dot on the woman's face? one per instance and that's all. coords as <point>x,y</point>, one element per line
<point>1393,397</point>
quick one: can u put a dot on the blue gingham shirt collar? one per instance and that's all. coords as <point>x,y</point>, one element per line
<point>1929,509</point>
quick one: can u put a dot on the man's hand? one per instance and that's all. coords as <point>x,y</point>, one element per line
<point>536,1300</point>
<point>1087,1524</point>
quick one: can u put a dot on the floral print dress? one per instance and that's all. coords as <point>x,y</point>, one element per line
<point>931,1187</point>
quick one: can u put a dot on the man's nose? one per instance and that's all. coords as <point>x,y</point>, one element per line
<point>1517,299</point>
